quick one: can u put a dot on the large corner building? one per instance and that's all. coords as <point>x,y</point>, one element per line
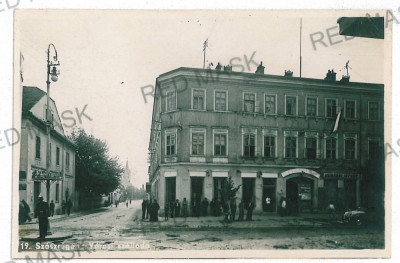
<point>273,135</point>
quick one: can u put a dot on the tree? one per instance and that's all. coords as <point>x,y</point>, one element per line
<point>96,172</point>
<point>228,191</point>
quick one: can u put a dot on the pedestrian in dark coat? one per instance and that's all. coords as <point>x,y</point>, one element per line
<point>250,207</point>
<point>172,208</point>
<point>184,207</point>
<point>144,208</point>
<point>63,205</point>
<point>69,205</point>
<point>52,206</point>
<point>204,207</point>
<point>27,211</point>
<point>233,209</point>
<point>166,211</point>
<point>241,210</point>
<point>212,207</point>
<point>155,209</point>
<point>177,206</point>
<point>21,214</point>
<point>42,211</point>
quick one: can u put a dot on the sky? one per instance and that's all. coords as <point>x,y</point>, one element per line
<point>107,56</point>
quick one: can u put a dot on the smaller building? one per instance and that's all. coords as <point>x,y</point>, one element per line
<point>32,169</point>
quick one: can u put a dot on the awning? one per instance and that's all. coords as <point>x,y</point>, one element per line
<point>170,174</point>
<point>371,27</point>
<point>197,173</point>
<point>269,175</point>
<point>249,175</point>
<point>219,174</point>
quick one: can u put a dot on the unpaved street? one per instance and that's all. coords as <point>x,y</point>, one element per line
<point>121,229</point>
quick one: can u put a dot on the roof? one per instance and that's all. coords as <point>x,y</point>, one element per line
<point>31,96</point>
<point>255,76</point>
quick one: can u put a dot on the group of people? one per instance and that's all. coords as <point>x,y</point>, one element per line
<point>150,209</point>
<point>25,210</point>
<point>287,207</point>
<point>174,208</point>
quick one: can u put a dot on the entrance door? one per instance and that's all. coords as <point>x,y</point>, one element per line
<point>349,194</point>
<point>299,195</point>
<point>170,189</point>
<point>248,189</point>
<point>36,193</point>
<point>269,194</point>
<point>196,190</point>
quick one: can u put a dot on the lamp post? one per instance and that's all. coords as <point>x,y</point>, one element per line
<point>53,75</point>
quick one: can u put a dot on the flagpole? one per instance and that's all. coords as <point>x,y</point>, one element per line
<point>301,25</point>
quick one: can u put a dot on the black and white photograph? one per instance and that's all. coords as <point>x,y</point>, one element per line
<point>201,133</point>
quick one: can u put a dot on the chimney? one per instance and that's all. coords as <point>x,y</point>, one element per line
<point>345,79</point>
<point>228,68</point>
<point>288,73</point>
<point>331,75</point>
<point>218,67</point>
<point>260,69</point>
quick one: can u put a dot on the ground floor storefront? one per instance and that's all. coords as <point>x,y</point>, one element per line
<point>307,190</point>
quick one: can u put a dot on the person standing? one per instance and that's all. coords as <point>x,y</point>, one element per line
<point>52,206</point>
<point>21,214</point>
<point>212,207</point>
<point>177,208</point>
<point>42,211</point>
<point>241,210</point>
<point>166,211</point>
<point>144,208</point>
<point>27,211</point>
<point>155,209</point>
<point>127,203</point>
<point>233,209</point>
<point>250,208</point>
<point>63,207</point>
<point>172,208</point>
<point>69,205</point>
<point>204,207</point>
<point>184,207</point>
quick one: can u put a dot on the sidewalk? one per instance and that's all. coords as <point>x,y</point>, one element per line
<point>260,221</point>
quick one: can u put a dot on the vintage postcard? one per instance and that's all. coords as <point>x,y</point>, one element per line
<point>201,134</point>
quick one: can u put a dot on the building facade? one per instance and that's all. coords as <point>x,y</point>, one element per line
<point>32,169</point>
<point>273,135</point>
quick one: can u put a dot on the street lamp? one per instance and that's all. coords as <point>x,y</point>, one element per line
<point>49,119</point>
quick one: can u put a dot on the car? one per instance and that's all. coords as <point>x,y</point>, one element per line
<point>357,217</point>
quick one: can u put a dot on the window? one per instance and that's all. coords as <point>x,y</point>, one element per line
<point>350,149</point>
<point>270,104</point>
<point>330,148</point>
<point>269,146</point>
<point>220,144</point>
<point>249,102</point>
<point>291,147</point>
<point>373,110</point>
<point>330,108</point>
<point>67,161</point>
<point>291,105</point>
<point>171,144</point>
<point>198,99</point>
<point>197,143</point>
<point>37,149</point>
<point>249,144</point>
<point>57,156</point>
<point>350,109</point>
<point>311,107</point>
<point>57,193</point>
<point>311,148</point>
<point>171,100</point>
<point>220,100</point>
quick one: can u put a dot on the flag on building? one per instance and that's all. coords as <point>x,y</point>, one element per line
<point>370,27</point>
<point>336,124</point>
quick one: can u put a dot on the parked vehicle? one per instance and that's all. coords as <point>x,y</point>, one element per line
<point>357,217</point>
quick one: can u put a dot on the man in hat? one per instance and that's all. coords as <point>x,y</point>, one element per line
<point>42,211</point>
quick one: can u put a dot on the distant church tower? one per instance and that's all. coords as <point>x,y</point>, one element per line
<point>126,178</point>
